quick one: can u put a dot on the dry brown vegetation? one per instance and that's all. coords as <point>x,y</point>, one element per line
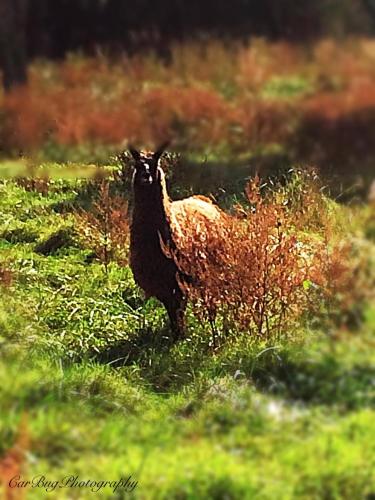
<point>249,275</point>
<point>105,228</point>
<point>208,96</point>
<point>267,266</point>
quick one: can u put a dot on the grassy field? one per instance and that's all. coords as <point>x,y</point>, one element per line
<point>90,384</point>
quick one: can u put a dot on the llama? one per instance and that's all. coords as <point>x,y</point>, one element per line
<point>156,221</point>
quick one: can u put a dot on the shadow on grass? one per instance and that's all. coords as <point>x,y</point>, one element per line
<point>163,364</point>
<point>323,381</point>
<point>145,343</point>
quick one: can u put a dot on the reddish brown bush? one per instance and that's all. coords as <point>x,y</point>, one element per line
<point>105,228</point>
<point>260,272</point>
<point>252,278</point>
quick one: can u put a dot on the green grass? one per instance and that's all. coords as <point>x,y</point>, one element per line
<point>106,394</point>
<point>290,87</point>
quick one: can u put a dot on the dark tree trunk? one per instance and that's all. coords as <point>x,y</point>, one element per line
<point>13,59</point>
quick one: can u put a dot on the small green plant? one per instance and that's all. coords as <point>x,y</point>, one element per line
<point>288,87</point>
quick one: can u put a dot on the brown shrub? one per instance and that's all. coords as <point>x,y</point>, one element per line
<point>252,278</point>
<point>105,229</point>
<point>261,271</point>
<point>114,124</point>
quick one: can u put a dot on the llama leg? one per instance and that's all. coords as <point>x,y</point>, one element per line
<point>180,318</point>
<point>176,312</point>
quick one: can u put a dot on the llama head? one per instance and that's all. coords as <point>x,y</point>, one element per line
<point>147,172</point>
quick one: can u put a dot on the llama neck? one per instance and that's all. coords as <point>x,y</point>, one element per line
<point>150,211</point>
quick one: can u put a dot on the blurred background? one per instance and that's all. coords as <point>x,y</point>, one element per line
<point>245,84</point>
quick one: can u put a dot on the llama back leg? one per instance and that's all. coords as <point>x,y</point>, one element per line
<point>176,311</point>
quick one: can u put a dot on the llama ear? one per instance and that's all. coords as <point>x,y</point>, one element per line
<point>160,150</point>
<point>135,153</point>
